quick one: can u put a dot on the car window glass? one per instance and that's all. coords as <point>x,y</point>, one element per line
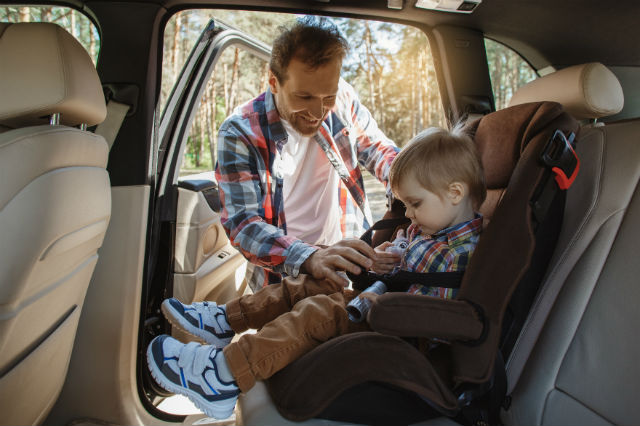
<point>508,72</point>
<point>71,20</point>
<point>389,65</point>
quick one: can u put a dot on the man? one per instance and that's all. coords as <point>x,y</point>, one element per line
<point>292,193</point>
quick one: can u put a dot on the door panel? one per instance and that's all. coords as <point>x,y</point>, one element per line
<point>206,266</point>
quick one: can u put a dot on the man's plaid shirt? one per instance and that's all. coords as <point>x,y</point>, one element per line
<point>448,250</point>
<point>249,145</point>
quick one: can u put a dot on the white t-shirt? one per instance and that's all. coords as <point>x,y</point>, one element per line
<point>310,190</point>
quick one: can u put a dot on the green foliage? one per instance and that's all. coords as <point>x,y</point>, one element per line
<point>508,71</point>
<point>184,28</point>
<point>194,160</point>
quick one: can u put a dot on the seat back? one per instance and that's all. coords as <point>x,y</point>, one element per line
<point>515,248</point>
<point>575,360</point>
<point>55,205</point>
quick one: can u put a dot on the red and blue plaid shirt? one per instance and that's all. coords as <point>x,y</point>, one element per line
<point>448,250</point>
<point>249,145</point>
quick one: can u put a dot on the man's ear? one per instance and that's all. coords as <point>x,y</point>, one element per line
<point>456,192</point>
<point>273,82</point>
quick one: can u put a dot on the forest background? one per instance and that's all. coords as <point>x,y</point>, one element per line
<point>390,65</point>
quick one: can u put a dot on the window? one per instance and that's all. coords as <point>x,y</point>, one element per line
<point>508,72</point>
<point>389,65</point>
<point>71,20</point>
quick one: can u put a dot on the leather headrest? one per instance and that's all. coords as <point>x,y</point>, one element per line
<point>585,91</point>
<point>44,70</point>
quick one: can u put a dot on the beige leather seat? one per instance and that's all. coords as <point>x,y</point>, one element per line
<point>55,205</point>
<point>575,361</point>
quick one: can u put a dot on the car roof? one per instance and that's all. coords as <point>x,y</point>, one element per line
<point>545,32</point>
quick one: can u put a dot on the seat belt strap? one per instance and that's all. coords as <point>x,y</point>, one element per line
<point>109,128</point>
<point>402,280</point>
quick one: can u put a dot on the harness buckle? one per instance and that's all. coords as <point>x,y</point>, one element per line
<point>560,156</point>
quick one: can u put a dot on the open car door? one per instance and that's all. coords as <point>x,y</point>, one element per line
<point>192,257</point>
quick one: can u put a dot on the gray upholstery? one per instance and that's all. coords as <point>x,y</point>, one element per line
<point>579,366</point>
<point>575,360</point>
<point>55,205</point>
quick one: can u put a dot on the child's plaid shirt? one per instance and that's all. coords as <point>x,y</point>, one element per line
<point>249,145</point>
<point>448,250</point>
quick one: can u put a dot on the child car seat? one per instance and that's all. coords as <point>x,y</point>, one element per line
<point>523,149</point>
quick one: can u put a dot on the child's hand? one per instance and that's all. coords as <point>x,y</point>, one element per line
<point>384,246</point>
<point>369,295</point>
<point>385,261</point>
<point>389,254</point>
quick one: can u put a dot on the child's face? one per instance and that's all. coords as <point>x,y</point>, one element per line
<point>431,212</point>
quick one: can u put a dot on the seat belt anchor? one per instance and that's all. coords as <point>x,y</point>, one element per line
<point>560,156</point>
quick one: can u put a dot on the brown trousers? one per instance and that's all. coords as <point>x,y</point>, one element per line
<point>292,318</point>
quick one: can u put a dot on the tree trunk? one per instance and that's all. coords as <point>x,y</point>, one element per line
<point>201,119</point>
<point>225,88</point>
<point>74,31</point>
<point>497,80</point>
<point>233,96</point>
<point>92,44</point>
<point>412,109</point>
<point>175,52</point>
<point>381,106</point>
<point>515,74</point>
<point>420,92</point>
<point>211,122</point>
<point>46,14</point>
<point>367,41</point>
<point>424,88</point>
<point>264,78</point>
<point>25,14</point>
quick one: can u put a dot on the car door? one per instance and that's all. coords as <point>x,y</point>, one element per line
<point>194,259</point>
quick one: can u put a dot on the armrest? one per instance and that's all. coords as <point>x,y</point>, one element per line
<point>409,315</point>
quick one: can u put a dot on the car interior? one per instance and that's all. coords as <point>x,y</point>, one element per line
<point>99,225</point>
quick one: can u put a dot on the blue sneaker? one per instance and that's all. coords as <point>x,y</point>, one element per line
<point>193,370</point>
<point>205,320</point>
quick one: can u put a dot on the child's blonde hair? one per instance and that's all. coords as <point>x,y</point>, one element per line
<point>436,158</point>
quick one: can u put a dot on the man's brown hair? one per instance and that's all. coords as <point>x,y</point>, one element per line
<point>313,41</point>
<point>438,157</point>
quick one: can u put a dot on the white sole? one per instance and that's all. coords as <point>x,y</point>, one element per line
<point>176,320</point>
<point>221,410</point>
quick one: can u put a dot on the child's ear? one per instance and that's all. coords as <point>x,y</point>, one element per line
<point>456,192</point>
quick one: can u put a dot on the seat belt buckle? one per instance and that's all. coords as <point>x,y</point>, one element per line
<point>560,156</point>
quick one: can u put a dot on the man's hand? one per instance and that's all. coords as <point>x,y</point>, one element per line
<point>346,255</point>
